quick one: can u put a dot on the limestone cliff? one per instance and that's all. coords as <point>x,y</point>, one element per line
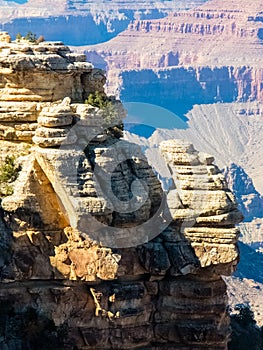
<point>32,76</point>
<point>94,254</point>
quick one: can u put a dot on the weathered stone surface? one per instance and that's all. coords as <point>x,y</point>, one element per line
<point>206,201</point>
<point>80,259</point>
<point>55,141</point>
<point>53,122</point>
<point>89,240</point>
<point>31,74</point>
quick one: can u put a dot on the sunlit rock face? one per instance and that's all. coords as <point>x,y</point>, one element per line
<point>94,253</point>
<point>32,76</point>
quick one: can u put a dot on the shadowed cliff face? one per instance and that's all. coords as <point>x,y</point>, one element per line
<point>180,89</point>
<point>250,201</point>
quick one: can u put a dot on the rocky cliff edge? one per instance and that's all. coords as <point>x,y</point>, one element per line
<point>91,245</point>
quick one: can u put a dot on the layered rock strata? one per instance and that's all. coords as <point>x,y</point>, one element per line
<point>212,53</point>
<point>32,76</point>
<point>93,250</point>
<point>205,199</point>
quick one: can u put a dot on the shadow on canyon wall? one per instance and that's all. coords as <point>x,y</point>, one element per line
<point>251,263</point>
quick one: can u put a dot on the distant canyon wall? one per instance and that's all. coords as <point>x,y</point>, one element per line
<point>179,88</point>
<point>81,22</point>
<point>203,21</point>
<point>210,54</point>
<point>71,29</point>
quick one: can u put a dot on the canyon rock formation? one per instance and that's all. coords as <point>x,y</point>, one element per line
<point>81,22</point>
<point>251,202</point>
<point>225,65</point>
<point>205,64</point>
<point>94,253</point>
<point>160,62</point>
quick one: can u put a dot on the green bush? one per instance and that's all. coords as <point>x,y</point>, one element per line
<point>8,173</point>
<point>101,101</point>
<point>31,37</point>
<point>98,100</point>
<point>245,333</point>
<point>9,170</point>
<point>18,37</point>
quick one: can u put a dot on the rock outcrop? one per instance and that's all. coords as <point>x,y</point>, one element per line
<point>205,63</point>
<point>208,130</point>
<point>32,76</point>
<point>94,254</point>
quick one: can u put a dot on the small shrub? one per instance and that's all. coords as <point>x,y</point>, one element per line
<point>18,37</point>
<point>101,101</point>
<point>31,37</point>
<point>9,170</point>
<point>8,173</point>
<point>97,99</point>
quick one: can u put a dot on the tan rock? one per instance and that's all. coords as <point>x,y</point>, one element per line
<point>50,133</point>
<point>87,207</point>
<point>54,122</point>
<point>5,37</point>
<point>55,141</point>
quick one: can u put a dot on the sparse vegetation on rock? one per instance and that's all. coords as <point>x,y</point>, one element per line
<point>18,37</point>
<point>245,333</point>
<point>104,103</point>
<point>31,37</point>
<point>8,173</point>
